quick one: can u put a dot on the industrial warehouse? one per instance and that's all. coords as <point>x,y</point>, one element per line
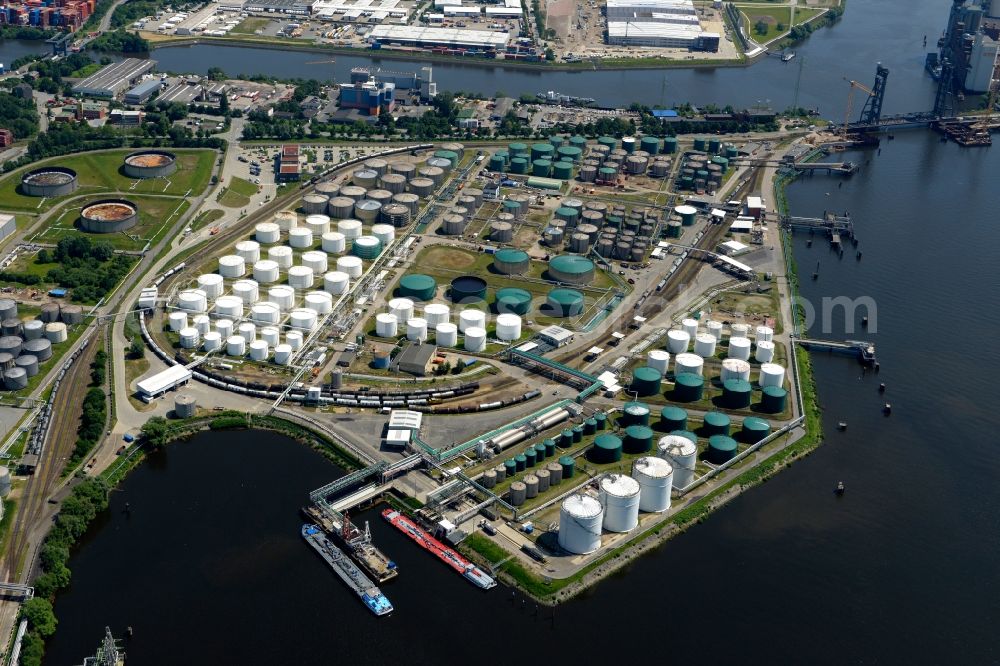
<point>658,23</point>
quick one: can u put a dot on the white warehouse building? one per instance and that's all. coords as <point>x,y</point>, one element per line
<point>657,23</point>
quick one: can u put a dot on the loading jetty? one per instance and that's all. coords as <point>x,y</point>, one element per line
<point>356,542</point>
<point>342,565</point>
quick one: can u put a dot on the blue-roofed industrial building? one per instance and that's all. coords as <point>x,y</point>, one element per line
<point>142,92</point>
<point>664,113</point>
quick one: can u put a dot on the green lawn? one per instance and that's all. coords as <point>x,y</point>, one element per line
<point>804,14</point>
<point>237,194</point>
<point>207,217</point>
<point>86,71</point>
<point>156,215</point>
<point>100,173</point>
<point>774,17</point>
<point>250,26</point>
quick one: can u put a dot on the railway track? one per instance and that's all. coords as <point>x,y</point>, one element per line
<point>66,411</point>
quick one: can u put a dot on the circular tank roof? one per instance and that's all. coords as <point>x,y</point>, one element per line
<point>48,177</point>
<point>722,443</point>
<point>511,256</point>
<point>689,379</point>
<point>565,296</point>
<point>755,423</point>
<point>109,211</point>
<point>607,441</point>
<point>572,263</point>
<point>716,419</point>
<point>417,281</point>
<point>468,283</point>
<point>647,374</point>
<point>149,159</point>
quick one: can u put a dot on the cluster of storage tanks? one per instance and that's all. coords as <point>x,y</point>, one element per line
<point>457,217</point>
<point>402,317</point>
<point>26,345</point>
<point>609,158</point>
<point>735,375</point>
<point>704,168</point>
<point>556,158</point>
<point>613,231</point>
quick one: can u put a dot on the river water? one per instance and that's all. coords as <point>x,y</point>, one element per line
<point>209,568</point>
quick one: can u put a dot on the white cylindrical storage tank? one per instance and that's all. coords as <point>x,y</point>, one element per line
<point>282,354</point>
<point>739,348</point>
<point>416,329</point>
<point>686,362</point>
<point>190,338</point>
<point>320,301</point>
<point>385,233</point>
<point>620,497</point>
<point>224,327</point>
<point>212,342</point>
<point>690,326</point>
<point>386,325</point>
<point>283,295</point>
<point>315,260</point>
<point>764,352</point>
<point>739,330</point>
<point>366,247</point>
<point>351,229</point>
<point>764,334</point>
<point>247,290</point>
<point>232,266</point>
<point>300,277</point>
<point>258,350</point>
<point>286,219</point>
<point>265,271</point>
<point>734,368</point>
<point>402,308</point>
<point>336,282</point>
<point>580,521</point>
<point>655,477</point>
<point>475,339</point>
<point>446,334</point>
<point>714,329</point>
<point>658,360</point>
<point>300,237</point>
<point>294,339</point>
<point>471,318</point>
<point>177,320</point>
<point>334,242</point>
<point>202,323</point>
<point>229,306</point>
<point>268,233</point>
<point>682,454</point>
<point>704,345</point>
<point>303,319</point>
<point>772,374</point>
<point>34,329</point>
<point>236,345</point>
<point>192,300</point>
<point>351,265</point>
<point>677,341</point>
<point>436,313</point>
<point>281,255</point>
<point>318,224</point>
<point>265,312</point>
<point>249,250</point>
<point>508,327</point>
<point>271,335</point>
<point>211,284</point>
<point>247,331</point>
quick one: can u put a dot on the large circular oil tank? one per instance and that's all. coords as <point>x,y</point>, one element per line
<point>571,269</point>
<point>150,164</point>
<point>511,262</point>
<point>513,300</point>
<point>564,303</point>
<point>607,448</point>
<point>109,216</point>
<point>53,181</point>
<point>468,289</point>
<point>580,520</point>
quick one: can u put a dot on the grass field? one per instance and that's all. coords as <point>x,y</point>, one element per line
<point>250,26</point>
<point>100,173</point>
<point>237,194</point>
<point>776,18</point>
<point>207,217</point>
<point>804,14</point>
<point>156,215</point>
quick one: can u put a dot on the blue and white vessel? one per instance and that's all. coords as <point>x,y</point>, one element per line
<point>347,570</point>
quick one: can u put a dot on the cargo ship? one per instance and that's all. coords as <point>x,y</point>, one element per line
<point>449,556</point>
<point>375,563</point>
<point>347,570</point>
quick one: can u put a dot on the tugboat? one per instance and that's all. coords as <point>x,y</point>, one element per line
<point>842,425</point>
<point>839,490</point>
<point>887,408</point>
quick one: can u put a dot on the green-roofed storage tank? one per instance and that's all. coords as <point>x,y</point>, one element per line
<point>518,149</point>
<point>714,146</point>
<point>634,413</point>
<point>568,466</point>
<point>608,141</point>
<point>669,145</point>
<point>755,429</point>
<point>511,300</point>
<point>721,448</point>
<point>542,150</point>
<point>715,423</point>
<point>508,261</point>
<point>518,165</point>
<point>650,144</point>
<point>562,170</point>
<point>564,303</point>
<point>566,438</point>
<point>529,457</point>
<point>570,215</point>
<point>505,154</point>
<point>417,286</point>
<point>673,418</point>
<point>550,447</point>
<point>590,426</point>
<point>773,399</point>
<point>700,144</point>
<point>510,467</point>
<point>571,269</point>
<point>539,452</point>
<point>602,420</point>
<point>736,394</point>
<point>497,163</point>
<point>540,183</point>
<point>732,152</point>
<point>607,174</point>
<point>570,153</point>
<point>638,439</point>
<point>557,140</point>
<point>578,141</point>
<point>646,381</point>
<point>688,387</point>
<point>686,434</point>
<point>541,167</point>
<point>449,155</point>
<point>606,449</point>
<point>577,434</point>
<point>520,462</point>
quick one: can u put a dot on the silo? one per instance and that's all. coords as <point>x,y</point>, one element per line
<point>543,478</point>
<point>655,478</point>
<point>687,214</point>
<point>471,319</point>
<point>435,173</point>
<point>402,308</point>
<point>508,327</point>
<point>268,233</point>
<point>467,289</point>
<point>265,312</point>
<point>236,345</point>
<point>688,387</point>
<point>49,311</point>
<point>541,168</point>
<point>739,330</point>
<point>265,271</point>
<point>555,473</point>
<point>512,300</point>
<point>686,363</point>
<point>341,208</point>
<point>764,352</point>
<point>316,261</point>
<point>571,269</point>
<point>646,381</point>
<point>579,243</point>
<point>530,486</point>
<point>249,250</point>
<point>607,448</point>
<point>739,348</point>
<point>715,423</point>
<point>475,339</point>
<point>501,470</point>
<point>350,228</point>
<point>365,178</point>
<point>564,303</point>
<point>517,149</point>
<point>673,418</point>
<point>318,224</point>
<point>488,479</point>
<point>517,493</point>
<point>227,306</point>
<point>587,173</point>
<point>773,399</point>
<point>15,379</point>
<point>283,295</point>
<point>514,208</point>
<point>416,329</point>
<point>270,335</point>
<point>421,186</point>
<point>733,368</point>
<point>301,277</point>
<point>14,327</point>
<point>721,449</point>
<point>638,439</point>
<point>453,225</point>
<point>314,203</point>
<point>568,464</point>
<point>393,182</point>
<point>736,394</point>
<point>580,521</point>
<point>367,210</point>
<point>366,247</point>
<point>704,345</point>
<point>446,334</point>
<point>417,286</point>
<point>497,163</point>
<point>224,327</point>
<point>682,454</point>
<point>502,232</point>
<point>192,300</point>
<point>410,200</point>
<point>620,496</point>
<point>754,429</point>
<point>658,360</point>
<point>29,363</point>
<point>282,254</point>
<point>33,329</point>
<point>677,341</point>
<point>230,266</point>
<point>562,170</point>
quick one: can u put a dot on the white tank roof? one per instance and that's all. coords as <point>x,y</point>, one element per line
<point>619,485</point>
<point>582,506</point>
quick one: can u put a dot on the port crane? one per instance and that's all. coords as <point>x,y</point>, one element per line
<point>850,102</point>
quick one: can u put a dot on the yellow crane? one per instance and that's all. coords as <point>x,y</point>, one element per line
<point>850,102</point>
